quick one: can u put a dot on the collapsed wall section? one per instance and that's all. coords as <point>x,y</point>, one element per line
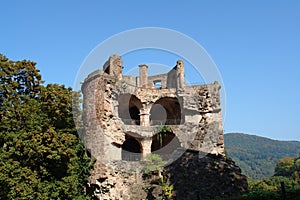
<point>202,104</point>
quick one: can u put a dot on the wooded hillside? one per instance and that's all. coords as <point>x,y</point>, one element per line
<point>257,156</point>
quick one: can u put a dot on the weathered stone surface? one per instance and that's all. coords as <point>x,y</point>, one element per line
<point>193,177</point>
<point>207,177</point>
<point>126,114</point>
<point>199,107</point>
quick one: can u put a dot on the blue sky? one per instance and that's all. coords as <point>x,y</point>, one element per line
<point>255,45</point>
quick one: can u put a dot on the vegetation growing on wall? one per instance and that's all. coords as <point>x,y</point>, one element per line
<point>162,131</point>
<point>153,165</point>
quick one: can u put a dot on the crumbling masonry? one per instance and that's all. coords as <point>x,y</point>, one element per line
<point>124,114</point>
<point>128,110</point>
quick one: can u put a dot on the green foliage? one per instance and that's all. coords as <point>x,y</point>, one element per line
<point>257,156</point>
<point>262,195</point>
<point>272,184</point>
<point>163,129</point>
<point>167,188</point>
<point>288,167</point>
<point>270,188</point>
<point>152,162</point>
<point>162,132</point>
<point>41,156</point>
<point>18,80</point>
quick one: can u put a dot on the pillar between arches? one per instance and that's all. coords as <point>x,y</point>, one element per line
<point>146,145</point>
<point>144,117</point>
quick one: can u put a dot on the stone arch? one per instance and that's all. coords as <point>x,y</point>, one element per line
<point>164,143</point>
<point>166,111</point>
<point>131,149</point>
<point>129,109</point>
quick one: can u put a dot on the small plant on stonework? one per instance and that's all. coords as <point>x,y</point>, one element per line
<point>167,189</point>
<point>152,163</point>
<point>162,131</point>
<point>160,139</point>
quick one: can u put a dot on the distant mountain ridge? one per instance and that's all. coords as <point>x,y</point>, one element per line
<point>257,156</point>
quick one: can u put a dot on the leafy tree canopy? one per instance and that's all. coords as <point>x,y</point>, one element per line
<point>41,156</point>
<point>288,167</point>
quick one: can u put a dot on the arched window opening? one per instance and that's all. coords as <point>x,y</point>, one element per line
<point>164,143</point>
<point>166,111</point>
<point>129,109</point>
<point>131,149</point>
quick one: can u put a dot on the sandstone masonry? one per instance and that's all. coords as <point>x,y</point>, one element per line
<point>125,118</point>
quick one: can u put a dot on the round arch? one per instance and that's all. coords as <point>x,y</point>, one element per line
<point>166,111</point>
<point>131,149</point>
<point>165,143</point>
<point>129,109</point>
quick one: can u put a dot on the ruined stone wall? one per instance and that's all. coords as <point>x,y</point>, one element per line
<point>93,141</point>
<point>131,80</point>
<point>210,129</point>
<point>113,66</point>
<point>160,77</point>
<point>116,66</point>
<point>205,177</point>
<point>200,111</point>
<point>193,177</point>
<point>176,77</point>
<point>199,130</point>
<point>172,79</point>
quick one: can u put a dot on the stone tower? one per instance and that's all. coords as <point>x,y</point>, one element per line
<point>125,116</point>
<point>132,108</point>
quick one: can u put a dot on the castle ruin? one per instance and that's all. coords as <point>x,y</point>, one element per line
<point>128,110</point>
<point>125,115</point>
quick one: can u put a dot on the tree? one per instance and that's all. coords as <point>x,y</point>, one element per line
<point>288,167</point>
<point>284,167</point>
<point>41,156</point>
<point>273,184</point>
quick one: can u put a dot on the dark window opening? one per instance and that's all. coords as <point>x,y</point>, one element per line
<point>131,149</point>
<point>134,113</point>
<point>107,70</point>
<point>166,111</point>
